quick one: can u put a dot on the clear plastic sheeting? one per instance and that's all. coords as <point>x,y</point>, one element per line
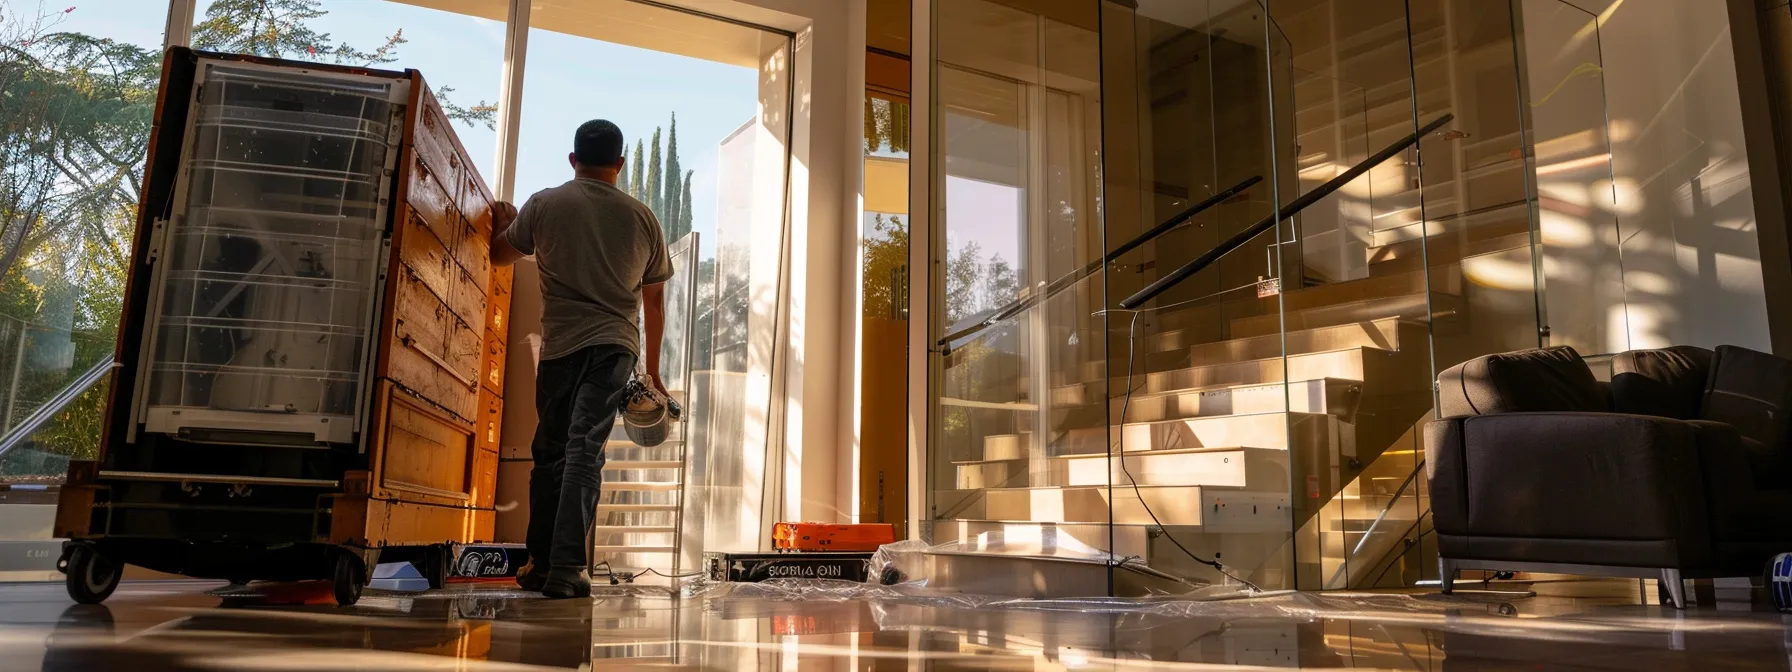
<point>915,594</point>
<point>1023,562</point>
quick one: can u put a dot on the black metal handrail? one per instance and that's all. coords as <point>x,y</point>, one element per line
<point>1293,208</point>
<point>1051,289</point>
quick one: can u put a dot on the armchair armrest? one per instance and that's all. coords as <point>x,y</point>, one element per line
<point>1589,477</point>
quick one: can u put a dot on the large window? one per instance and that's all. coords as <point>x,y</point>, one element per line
<point>79,86</point>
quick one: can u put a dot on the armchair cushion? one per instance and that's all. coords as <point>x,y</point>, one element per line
<point>1543,380</point>
<point>1576,488</point>
<point>1669,382</point>
<point>1752,391</point>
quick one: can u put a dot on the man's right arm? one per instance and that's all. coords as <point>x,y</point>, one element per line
<point>504,216</point>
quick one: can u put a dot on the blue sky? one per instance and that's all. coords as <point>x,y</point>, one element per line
<point>569,80</point>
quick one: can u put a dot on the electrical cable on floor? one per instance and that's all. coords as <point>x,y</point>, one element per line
<point>1132,342</point>
<point>611,573</point>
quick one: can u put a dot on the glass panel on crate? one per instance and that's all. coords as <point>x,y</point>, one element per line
<point>270,281</point>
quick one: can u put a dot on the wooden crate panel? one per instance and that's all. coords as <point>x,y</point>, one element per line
<point>433,139</point>
<point>466,349</point>
<point>423,454</point>
<point>475,253</point>
<point>475,200</point>
<point>484,478</point>
<point>492,371</point>
<point>372,523</point>
<point>497,305</point>
<point>420,321</point>
<point>468,300</point>
<point>424,254</point>
<point>428,195</point>
<point>491,420</point>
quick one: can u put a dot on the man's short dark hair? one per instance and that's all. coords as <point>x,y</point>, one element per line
<point>597,143</point>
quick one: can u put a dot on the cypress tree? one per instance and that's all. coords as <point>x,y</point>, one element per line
<point>669,198</point>
<point>651,188</point>
<point>634,180</point>
<point>622,180</point>
<point>684,207</point>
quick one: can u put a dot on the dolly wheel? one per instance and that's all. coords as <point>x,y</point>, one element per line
<point>91,577</point>
<point>350,578</point>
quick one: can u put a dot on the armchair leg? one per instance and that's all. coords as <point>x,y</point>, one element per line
<point>1670,580</point>
<point>1446,574</point>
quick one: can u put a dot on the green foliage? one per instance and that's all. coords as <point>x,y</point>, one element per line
<point>886,126</point>
<point>669,200</point>
<point>278,29</point>
<point>650,191</point>
<point>75,115</point>
<point>659,184</point>
<point>637,188</point>
<point>886,258</point>
<point>684,207</point>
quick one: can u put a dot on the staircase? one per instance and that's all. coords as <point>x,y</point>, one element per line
<point>1298,470</point>
<point>640,508</point>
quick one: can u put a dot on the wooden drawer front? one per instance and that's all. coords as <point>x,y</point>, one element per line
<point>468,301</point>
<point>434,142</point>
<point>491,420</point>
<point>465,350</point>
<point>422,355</point>
<point>425,455</point>
<point>475,254</point>
<point>497,306</point>
<point>484,478</point>
<point>421,251</point>
<point>420,321</point>
<point>429,197</point>
<point>475,201</point>
<point>492,372</point>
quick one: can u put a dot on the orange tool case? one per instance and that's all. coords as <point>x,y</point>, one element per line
<point>831,537</point>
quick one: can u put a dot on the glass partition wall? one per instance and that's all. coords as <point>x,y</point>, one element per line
<point>1305,209</point>
<point>1018,443</point>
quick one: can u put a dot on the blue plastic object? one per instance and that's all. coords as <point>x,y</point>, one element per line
<point>398,577</point>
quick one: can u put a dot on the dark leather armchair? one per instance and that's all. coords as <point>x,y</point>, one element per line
<point>1676,469</point>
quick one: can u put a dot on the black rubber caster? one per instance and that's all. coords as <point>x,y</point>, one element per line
<point>350,578</point>
<point>91,576</point>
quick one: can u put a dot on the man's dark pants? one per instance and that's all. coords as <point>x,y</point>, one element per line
<point>576,397</point>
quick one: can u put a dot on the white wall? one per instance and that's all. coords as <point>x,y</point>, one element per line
<point>1691,263</point>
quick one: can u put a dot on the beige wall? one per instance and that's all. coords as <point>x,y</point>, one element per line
<point>1687,230</point>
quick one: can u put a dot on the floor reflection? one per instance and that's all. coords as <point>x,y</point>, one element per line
<point>179,626</point>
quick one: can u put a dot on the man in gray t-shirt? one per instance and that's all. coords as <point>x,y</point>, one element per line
<point>602,259</point>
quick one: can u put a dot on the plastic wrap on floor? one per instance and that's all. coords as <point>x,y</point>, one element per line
<point>917,594</point>
<point>1032,563</point>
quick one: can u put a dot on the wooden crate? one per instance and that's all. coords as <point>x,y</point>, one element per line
<point>433,461</point>
<point>423,466</point>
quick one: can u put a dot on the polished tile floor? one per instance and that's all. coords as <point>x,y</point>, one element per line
<point>1572,625</point>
